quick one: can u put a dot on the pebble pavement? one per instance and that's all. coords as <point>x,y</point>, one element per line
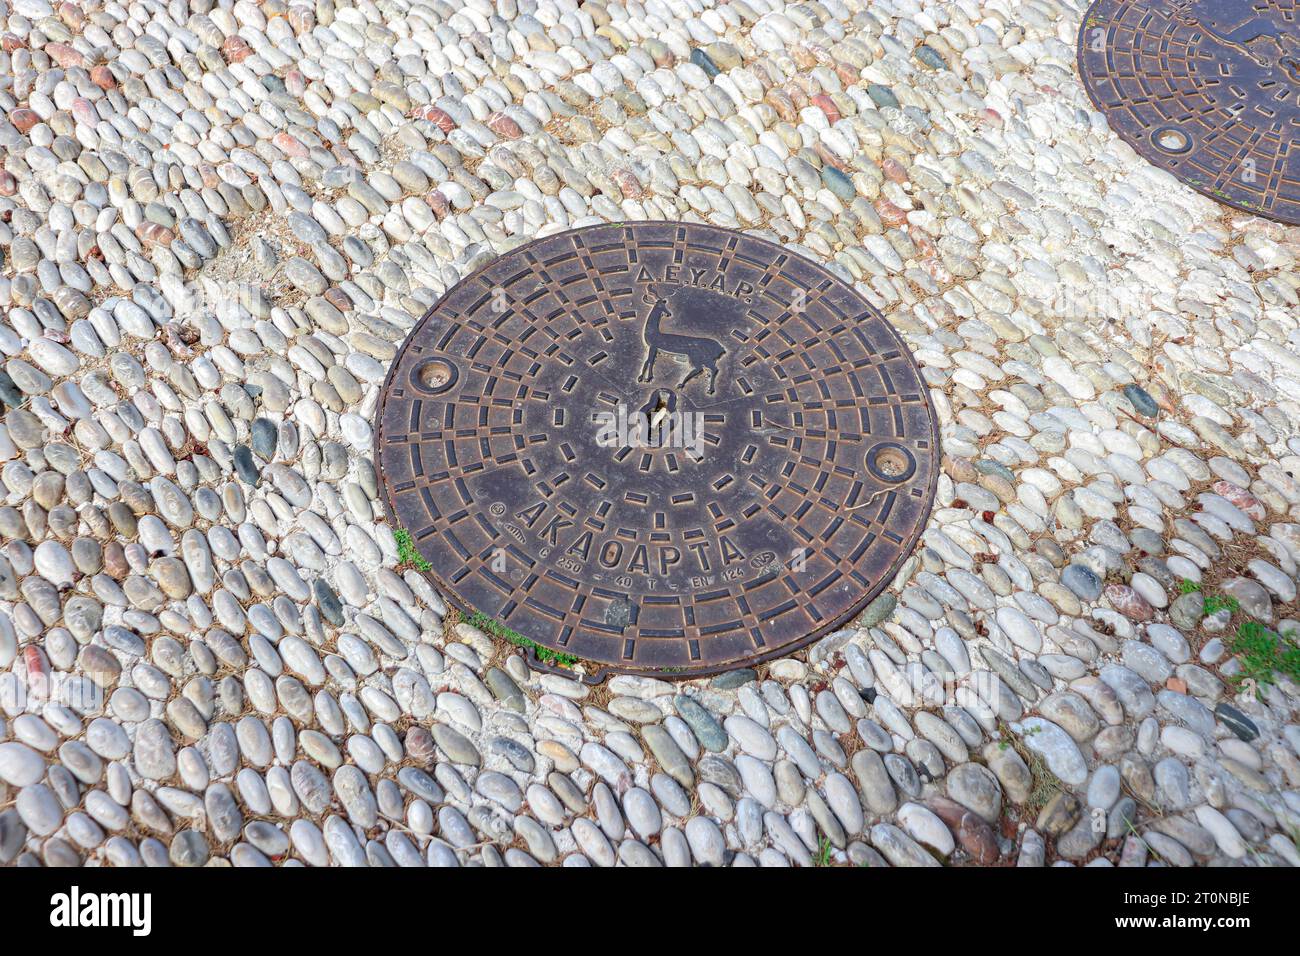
<point>217,223</point>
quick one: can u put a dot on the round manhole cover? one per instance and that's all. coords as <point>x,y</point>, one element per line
<point>658,447</point>
<point>1208,90</point>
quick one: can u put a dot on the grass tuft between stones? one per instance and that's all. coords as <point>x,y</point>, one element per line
<point>498,630</point>
<point>1215,603</point>
<point>407,555</point>
<point>823,853</point>
<point>1264,654</point>
<point>1045,784</point>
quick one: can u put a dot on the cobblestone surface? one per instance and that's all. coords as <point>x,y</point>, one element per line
<point>217,224</point>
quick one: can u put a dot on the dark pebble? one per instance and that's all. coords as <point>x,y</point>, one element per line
<point>513,751</point>
<point>12,833</point>
<point>1237,722</point>
<point>9,393</point>
<point>706,727</point>
<point>838,183</point>
<point>245,467</point>
<point>1080,579</point>
<point>930,57</point>
<point>882,96</point>
<point>1158,570</point>
<point>1147,541</point>
<point>701,59</point>
<point>1143,403</point>
<point>265,436</point>
<point>733,679</point>
<point>331,608</point>
<point>987,466</point>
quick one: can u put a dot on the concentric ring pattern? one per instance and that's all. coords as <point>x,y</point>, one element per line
<point>658,447</point>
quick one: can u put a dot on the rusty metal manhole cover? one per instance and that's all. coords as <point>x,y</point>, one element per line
<point>1208,90</point>
<point>658,447</point>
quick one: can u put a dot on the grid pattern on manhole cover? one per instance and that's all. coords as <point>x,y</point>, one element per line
<point>658,447</point>
<point>1208,90</point>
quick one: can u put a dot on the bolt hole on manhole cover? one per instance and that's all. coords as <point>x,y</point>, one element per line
<point>1208,90</point>
<point>659,448</point>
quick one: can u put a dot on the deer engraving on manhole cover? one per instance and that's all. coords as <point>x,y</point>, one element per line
<point>1208,90</point>
<point>658,447</point>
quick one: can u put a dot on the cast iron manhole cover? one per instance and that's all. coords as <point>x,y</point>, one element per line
<point>658,447</point>
<point>1208,90</point>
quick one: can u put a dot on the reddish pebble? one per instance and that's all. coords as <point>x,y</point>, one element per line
<point>894,171</point>
<point>337,298</point>
<point>115,561</point>
<point>1128,602</point>
<point>1177,685</point>
<point>236,49</point>
<point>289,145</point>
<point>103,77</point>
<point>972,831</point>
<point>24,119</point>
<point>830,159</point>
<point>84,111</point>
<point>38,672</point>
<point>151,233</point>
<point>1242,498</point>
<point>420,747</point>
<point>64,55</point>
<point>925,246</point>
<point>627,182</point>
<point>503,125</point>
<point>71,14</point>
<point>439,203</point>
<point>935,269</point>
<point>782,102</point>
<point>889,214</point>
<point>848,74</point>
<point>827,106</point>
<point>437,117</point>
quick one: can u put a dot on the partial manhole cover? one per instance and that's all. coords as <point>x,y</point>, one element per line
<point>1208,90</point>
<point>658,447</point>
